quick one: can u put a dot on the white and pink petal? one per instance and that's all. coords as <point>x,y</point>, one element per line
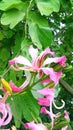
<point>60,60</point>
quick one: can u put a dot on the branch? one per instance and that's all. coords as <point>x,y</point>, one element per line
<point>66,86</point>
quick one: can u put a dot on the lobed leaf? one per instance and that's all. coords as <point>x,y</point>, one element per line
<point>12,17</point>
<point>9,4</point>
<point>24,105</point>
<point>46,7</point>
<point>39,31</point>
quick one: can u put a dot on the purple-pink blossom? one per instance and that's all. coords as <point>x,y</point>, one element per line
<point>33,126</point>
<point>50,114</point>
<point>38,64</point>
<point>49,96</point>
<point>61,60</point>
<point>66,115</point>
<point>6,115</point>
<point>53,76</point>
<point>64,128</point>
<point>19,89</point>
<point>35,64</point>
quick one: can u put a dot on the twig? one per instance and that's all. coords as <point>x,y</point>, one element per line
<point>66,86</point>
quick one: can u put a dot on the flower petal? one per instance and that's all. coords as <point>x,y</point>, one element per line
<point>66,114</point>
<point>45,52</point>
<point>6,114</point>
<point>60,60</point>
<point>9,118</point>
<point>14,87</point>
<point>34,126</point>
<point>33,52</point>
<point>19,89</point>
<point>3,112</point>
<point>54,76</point>
<point>21,60</point>
<point>47,91</point>
<point>45,111</point>
<point>64,128</point>
<point>47,80</point>
<point>44,101</point>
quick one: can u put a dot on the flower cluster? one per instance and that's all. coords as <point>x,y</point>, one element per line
<point>5,111</point>
<point>49,70</point>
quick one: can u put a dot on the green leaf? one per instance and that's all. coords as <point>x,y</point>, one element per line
<point>16,110</point>
<point>46,7</point>
<point>35,93</point>
<point>1,35</point>
<point>71,2</point>
<point>4,54</point>
<point>17,47</point>
<point>57,90</point>
<point>39,31</point>
<point>65,4</point>
<point>25,47</point>
<point>12,17</point>
<point>24,105</point>
<point>9,4</point>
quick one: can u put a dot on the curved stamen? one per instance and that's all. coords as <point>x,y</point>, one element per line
<point>63,104</point>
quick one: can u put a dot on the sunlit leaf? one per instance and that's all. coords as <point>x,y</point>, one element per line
<point>46,7</point>
<point>39,31</point>
<point>9,4</point>
<point>12,17</point>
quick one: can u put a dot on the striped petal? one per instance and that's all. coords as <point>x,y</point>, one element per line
<point>20,60</point>
<point>33,126</point>
<point>9,118</point>
<point>54,76</point>
<point>33,52</point>
<point>19,89</point>
<point>60,60</point>
<point>6,114</point>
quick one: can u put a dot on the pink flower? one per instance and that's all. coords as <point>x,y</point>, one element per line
<point>44,101</point>
<point>47,101</point>
<point>6,115</point>
<point>66,115</point>
<point>49,96</point>
<point>19,89</point>
<point>37,61</point>
<point>49,113</point>
<point>64,128</point>
<point>60,60</point>
<point>67,118</point>
<point>53,76</point>
<point>47,92</point>
<point>34,126</point>
<point>38,64</point>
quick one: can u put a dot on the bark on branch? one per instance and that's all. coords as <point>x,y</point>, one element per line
<point>66,86</point>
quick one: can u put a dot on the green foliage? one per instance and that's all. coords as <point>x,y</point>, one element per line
<point>12,17</point>
<point>48,6</point>
<point>24,105</point>
<point>6,4</point>
<point>4,57</point>
<point>38,27</point>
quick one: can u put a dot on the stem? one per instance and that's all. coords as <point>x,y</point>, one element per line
<point>66,86</point>
<point>50,85</point>
<point>32,78</point>
<point>5,72</point>
<point>26,23</point>
<point>5,97</point>
<point>34,118</point>
<point>42,78</point>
